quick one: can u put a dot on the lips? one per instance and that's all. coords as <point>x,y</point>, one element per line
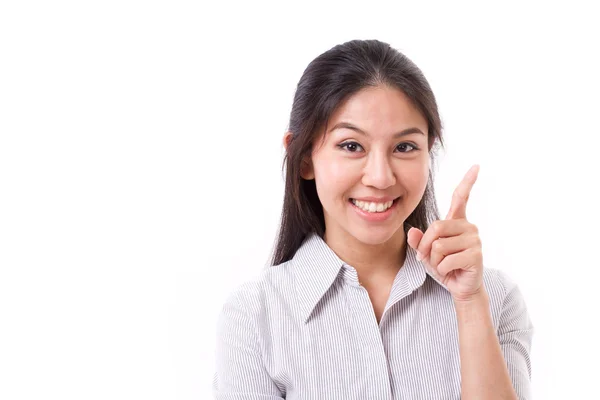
<point>372,206</point>
<point>375,216</point>
<point>372,199</point>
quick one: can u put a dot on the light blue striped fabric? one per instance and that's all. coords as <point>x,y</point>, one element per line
<point>306,329</point>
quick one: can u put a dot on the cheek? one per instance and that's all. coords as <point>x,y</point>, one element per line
<point>333,174</point>
<point>334,180</point>
<point>415,176</point>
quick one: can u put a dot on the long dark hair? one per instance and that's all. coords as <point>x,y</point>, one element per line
<point>328,80</point>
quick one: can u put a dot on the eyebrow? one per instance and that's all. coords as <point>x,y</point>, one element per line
<point>346,125</point>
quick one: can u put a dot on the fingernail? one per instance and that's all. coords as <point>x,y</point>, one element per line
<point>419,256</point>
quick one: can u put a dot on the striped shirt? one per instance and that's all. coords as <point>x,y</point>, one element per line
<point>306,329</point>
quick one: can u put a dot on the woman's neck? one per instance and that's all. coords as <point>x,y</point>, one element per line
<point>370,261</point>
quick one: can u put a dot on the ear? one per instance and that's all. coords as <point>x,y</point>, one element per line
<point>287,138</point>
<point>306,169</point>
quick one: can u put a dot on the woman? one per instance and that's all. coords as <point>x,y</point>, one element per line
<point>371,295</point>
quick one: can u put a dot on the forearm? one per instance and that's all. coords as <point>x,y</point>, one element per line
<point>483,369</point>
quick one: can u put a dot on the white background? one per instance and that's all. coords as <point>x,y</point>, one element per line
<point>140,173</point>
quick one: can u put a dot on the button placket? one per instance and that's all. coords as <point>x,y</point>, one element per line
<point>367,329</point>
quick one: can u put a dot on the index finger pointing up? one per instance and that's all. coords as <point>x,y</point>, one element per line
<point>458,207</point>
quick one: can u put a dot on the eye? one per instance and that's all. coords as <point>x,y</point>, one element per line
<point>350,146</point>
<point>407,144</point>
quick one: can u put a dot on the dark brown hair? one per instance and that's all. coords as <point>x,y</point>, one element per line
<point>328,80</point>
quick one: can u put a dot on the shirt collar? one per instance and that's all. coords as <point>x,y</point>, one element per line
<point>316,267</point>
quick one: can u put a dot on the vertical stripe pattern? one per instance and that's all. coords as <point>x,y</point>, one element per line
<point>306,329</point>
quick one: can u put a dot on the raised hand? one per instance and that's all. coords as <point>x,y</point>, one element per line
<point>450,249</point>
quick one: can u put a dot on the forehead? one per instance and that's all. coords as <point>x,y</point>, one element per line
<point>379,110</point>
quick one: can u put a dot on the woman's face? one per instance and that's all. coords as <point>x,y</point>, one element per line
<point>384,157</point>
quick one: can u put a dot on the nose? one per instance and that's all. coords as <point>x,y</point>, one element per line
<point>378,172</point>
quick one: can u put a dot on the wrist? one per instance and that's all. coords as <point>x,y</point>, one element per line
<point>475,297</point>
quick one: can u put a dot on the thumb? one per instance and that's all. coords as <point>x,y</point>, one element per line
<point>414,237</point>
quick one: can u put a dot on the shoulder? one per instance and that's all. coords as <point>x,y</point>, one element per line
<point>497,282</point>
<point>260,294</point>
<point>514,328</point>
<point>503,292</point>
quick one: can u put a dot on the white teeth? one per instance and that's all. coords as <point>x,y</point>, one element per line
<point>372,207</point>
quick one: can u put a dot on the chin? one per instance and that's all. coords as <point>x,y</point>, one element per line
<point>373,236</point>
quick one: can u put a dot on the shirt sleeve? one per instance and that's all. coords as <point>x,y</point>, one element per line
<point>515,333</point>
<point>240,373</point>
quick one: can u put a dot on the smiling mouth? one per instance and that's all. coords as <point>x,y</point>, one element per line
<point>372,207</point>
